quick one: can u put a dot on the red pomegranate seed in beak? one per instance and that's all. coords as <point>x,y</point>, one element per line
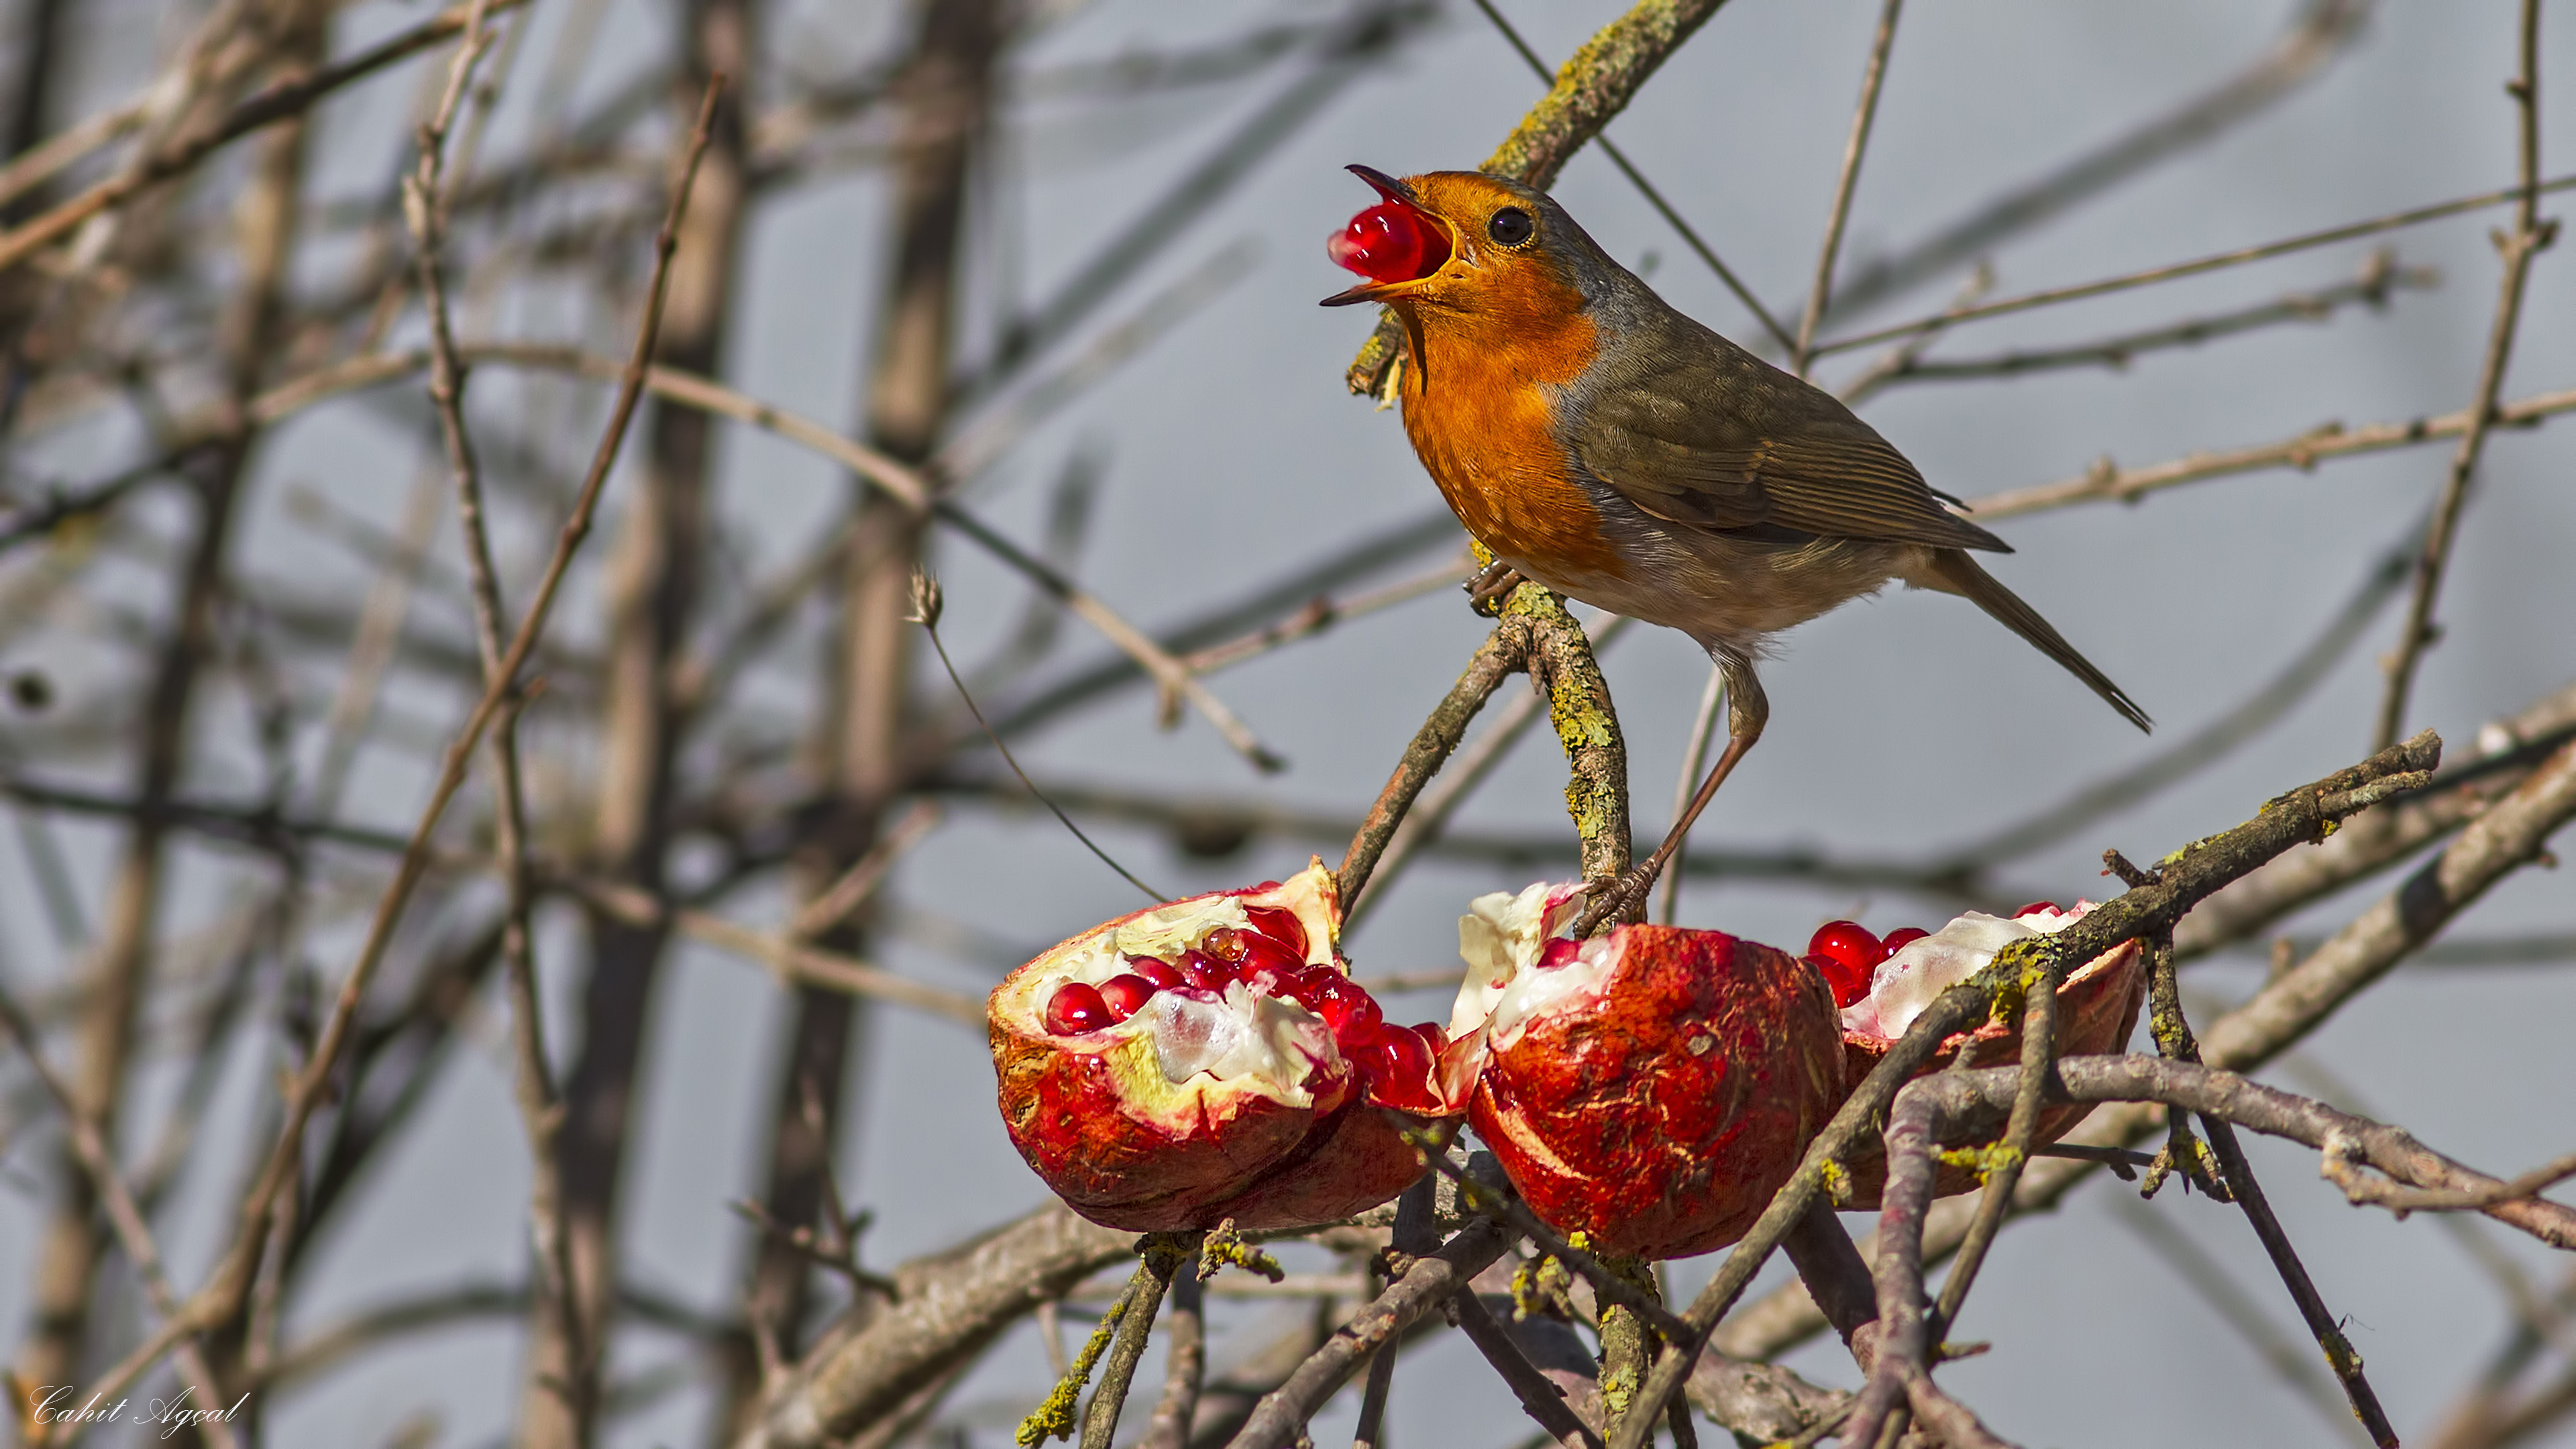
<point>1390,242</point>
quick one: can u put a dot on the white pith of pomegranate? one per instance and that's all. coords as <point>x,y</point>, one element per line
<point>1238,987</point>
<point>1920,970</point>
<point>1522,961</point>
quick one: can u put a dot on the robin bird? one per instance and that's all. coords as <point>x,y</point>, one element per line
<point>1605,446</point>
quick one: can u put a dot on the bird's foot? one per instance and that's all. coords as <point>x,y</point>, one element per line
<point>1487,590</point>
<point>1616,901</point>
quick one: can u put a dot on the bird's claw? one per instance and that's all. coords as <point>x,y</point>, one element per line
<point>1487,590</point>
<point>1614,901</point>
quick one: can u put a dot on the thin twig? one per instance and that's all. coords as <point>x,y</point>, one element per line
<point>2380,275</point>
<point>1605,1281</point>
<point>1820,294</point>
<point>2210,743</point>
<point>1321,614</point>
<point>2195,267</point>
<point>2291,1361</point>
<point>425,200</point>
<point>2529,237</point>
<point>2105,482</point>
<point>926,614</point>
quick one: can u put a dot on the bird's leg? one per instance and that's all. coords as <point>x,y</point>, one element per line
<point>1747,711</point>
<point>1487,590</point>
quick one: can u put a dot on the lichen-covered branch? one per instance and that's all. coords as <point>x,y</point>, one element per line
<point>1578,706</point>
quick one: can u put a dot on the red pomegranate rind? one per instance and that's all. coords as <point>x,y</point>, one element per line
<point>1658,1109</point>
<point>1353,1160</point>
<point>1200,1105</point>
<point>2097,1009</point>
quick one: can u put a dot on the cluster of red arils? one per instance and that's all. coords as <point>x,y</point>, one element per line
<point>1392,241</point>
<point>1212,1058</point>
<point>1899,975</point>
<point>1269,958</point>
<point>1850,955</point>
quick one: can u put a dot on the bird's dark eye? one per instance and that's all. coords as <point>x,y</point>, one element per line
<point>1510,227</point>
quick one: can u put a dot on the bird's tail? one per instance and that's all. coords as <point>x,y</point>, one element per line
<point>1953,572</point>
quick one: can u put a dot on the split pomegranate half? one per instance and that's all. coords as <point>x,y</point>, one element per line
<point>1209,1059</point>
<point>1652,1087</point>
<point>2097,1008</point>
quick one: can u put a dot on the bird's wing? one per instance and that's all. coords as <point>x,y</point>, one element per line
<point>1720,439</point>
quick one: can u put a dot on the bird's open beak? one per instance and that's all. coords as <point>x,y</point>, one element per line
<point>1394,192</point>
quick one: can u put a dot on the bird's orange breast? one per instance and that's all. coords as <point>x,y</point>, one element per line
<point>1477,407</point>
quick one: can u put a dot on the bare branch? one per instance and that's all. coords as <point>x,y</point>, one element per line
<point>1821,292</point>
<point>2529,237</point>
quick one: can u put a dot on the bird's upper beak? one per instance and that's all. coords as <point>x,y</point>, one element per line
<point>1436,230</point>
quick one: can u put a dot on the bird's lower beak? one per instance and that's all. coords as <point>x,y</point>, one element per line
<point>1364,292</point>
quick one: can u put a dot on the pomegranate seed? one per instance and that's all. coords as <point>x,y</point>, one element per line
<point>1902,937</point>
<point>1396,1066</point>
<point>1389,242</point>
<point>1348,1009</point>
<point>1157,970</point>
<point>1855,955</point>
<point>1557,952</point>
<point>2034,908</point>
<point>1281,926</point>
<point>1305,986</point>
<point>1225,943</point>
<point>1849,943</point>
<point>1204,971</point>
<point>1264,955</point>
<point>1433,1035</point>
<point>1125,992</point>
<point>1076,1008</point>
<point>1848,985</point>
